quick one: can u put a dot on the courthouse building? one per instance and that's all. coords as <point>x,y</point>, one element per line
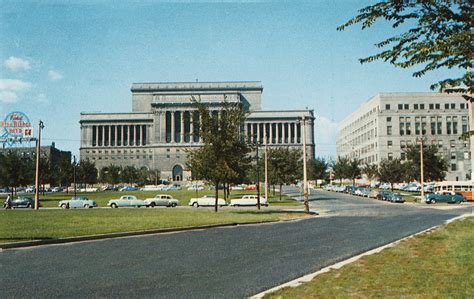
<point>386,124</point>
<point>164,123</point>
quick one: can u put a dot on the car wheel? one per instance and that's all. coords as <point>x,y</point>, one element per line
<point>29,206</point>
<point>173,205</point>
<point>152,204</point>
<point>113,205</point>
<point>196,205</point>
<point>65,206</point>
<point>433,201</point>
<point>86,206</point>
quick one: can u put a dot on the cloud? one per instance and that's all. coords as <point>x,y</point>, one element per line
<point>17,64</point>
<point>42,99</point>
<point>54,75</point>
<point>325,132</point>
<point>13,84</point>
<point>8,97</point>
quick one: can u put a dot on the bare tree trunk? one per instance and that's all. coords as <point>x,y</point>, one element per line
<point>225,192</point>
<point>280,190</point>
<point>217,196</point>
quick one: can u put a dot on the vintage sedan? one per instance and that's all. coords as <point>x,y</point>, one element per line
<point>162,200</point>
<point>383,195</point>
<point>248,200</point>
<point>449,197</point>
<point>395,197</point>
<point>206,200</point>
<point>24,202</point>
<point>77,202</point>
<point>126,201</point>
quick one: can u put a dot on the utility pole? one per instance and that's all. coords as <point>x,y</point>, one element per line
<point>266,165</point>
<point>258,179</point>
<point>305,177</point>
<point>38,153</point>
<point>421,166</point>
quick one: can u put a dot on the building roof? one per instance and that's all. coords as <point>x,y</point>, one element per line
<point>197,86</point>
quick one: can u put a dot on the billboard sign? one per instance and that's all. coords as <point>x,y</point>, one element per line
<point>16,127</point>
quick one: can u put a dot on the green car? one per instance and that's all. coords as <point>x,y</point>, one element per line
<point>24,202</point>
<point>445,197</point>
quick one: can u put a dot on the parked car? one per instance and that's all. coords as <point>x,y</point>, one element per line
<point>251,187</point>
<point>171,188</point>
<point>206,200</point>
<point>383,195</point>
<point>374,193</point>
<point>23,202</point>
<point>126,201</point>
<point>395,197</point>
<point>77,202</point>
<point>448,197</point>
<point>364,192</point>
<point>248,200</point>
<point>237,188</point>
<point>162,200</point>
<point>57,189</point>
<point>128,188</point>
<point>195,188</point>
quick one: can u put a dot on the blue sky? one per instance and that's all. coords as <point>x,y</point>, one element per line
<point>59,58</point>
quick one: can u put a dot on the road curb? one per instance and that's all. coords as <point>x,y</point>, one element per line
<point>136,233</point>
<point>308,277</point>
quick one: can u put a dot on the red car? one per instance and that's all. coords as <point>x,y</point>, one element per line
<point>251,187</point>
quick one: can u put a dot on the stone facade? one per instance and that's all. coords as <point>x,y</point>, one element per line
<point>384,125</point>
<point>164,124</point>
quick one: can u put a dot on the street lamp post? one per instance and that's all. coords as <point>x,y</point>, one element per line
<point>38,153</point>
<point>266,164</point>
<point>258,178</point>
<point>74,176</point>
<point>305,176</point>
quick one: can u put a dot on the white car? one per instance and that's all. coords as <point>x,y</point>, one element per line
<point>195,188</point>
<point>206,200</point>
<point>126,201</point>
<point>248,200</point>
<point>162,200</point>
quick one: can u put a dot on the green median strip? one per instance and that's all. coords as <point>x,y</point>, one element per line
<point>438,264</point>
<point>24,225</point>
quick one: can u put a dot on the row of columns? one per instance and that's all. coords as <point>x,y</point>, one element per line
<point>180,126</point>
<point>119,135</point>
<point>275,132</point>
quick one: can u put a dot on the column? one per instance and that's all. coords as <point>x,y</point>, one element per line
<point>258,133</point>
<point>277,133</point>
<point>295,132</point>
<point>115,135</point>
<point>109,142</point>
<point>270,134</point>
<point>172,127</point>
<point>121,135</point>
<point>96,129</point>
<point>103,135</point>
<point>181,113</point>
<point>284,132</point>
<point>141,135</point>
<point>128,135</point>
<point>191,127</point>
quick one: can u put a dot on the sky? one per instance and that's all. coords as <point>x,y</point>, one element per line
<point>61,58</point>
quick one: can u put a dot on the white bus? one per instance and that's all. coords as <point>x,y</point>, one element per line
<point>463,187</point>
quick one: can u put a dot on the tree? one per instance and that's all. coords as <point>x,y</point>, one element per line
<point>15,170</point>
<point>371,171</point>
<point>129,174</point>
<point>353,170</point>
<point>86,173</point>
<point>392,171</point>
<point>438,35</point>
<point>434,168</point>
<point>340,168</point>
<point>318,169</point>
<point>285,166</point>
<point>223,157</point>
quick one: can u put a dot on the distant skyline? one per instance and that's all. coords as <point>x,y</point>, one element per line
<point>60,58</point>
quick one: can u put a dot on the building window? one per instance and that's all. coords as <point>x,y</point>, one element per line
<point>466,156</point>
<point>440,144</point>
<point>453,156</point>
<point>453,167</point>
<point>389,130</point>
<point>403,155</point>
<point>387,106</point>
<point>422,106</point>
<point>167,149</point>
<point>168,156</point>
<point>431,106</point>
<point>464,129</point>
<point>402,144</point>
<point>390,156</point>
<point>389,119</point>
<point>446,106</point>
<point>438,106</point>
<point>452,143</point>
<point>400,106</point>
<point>462,106</point>
<point>453,106</point>
<point>415,106</point>
<point>389,143</point>
<point>406,107</point>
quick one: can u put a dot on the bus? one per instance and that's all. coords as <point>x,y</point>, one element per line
<point>463,187</point>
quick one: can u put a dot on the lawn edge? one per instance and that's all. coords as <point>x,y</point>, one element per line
<point>34,243</point>
<point>308,277</point>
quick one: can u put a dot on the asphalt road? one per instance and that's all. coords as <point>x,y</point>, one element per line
<point>215,263</point>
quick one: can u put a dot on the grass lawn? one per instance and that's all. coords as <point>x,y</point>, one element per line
<point>20,225</point>
<point>439,264</point>
<point>52,199</point>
